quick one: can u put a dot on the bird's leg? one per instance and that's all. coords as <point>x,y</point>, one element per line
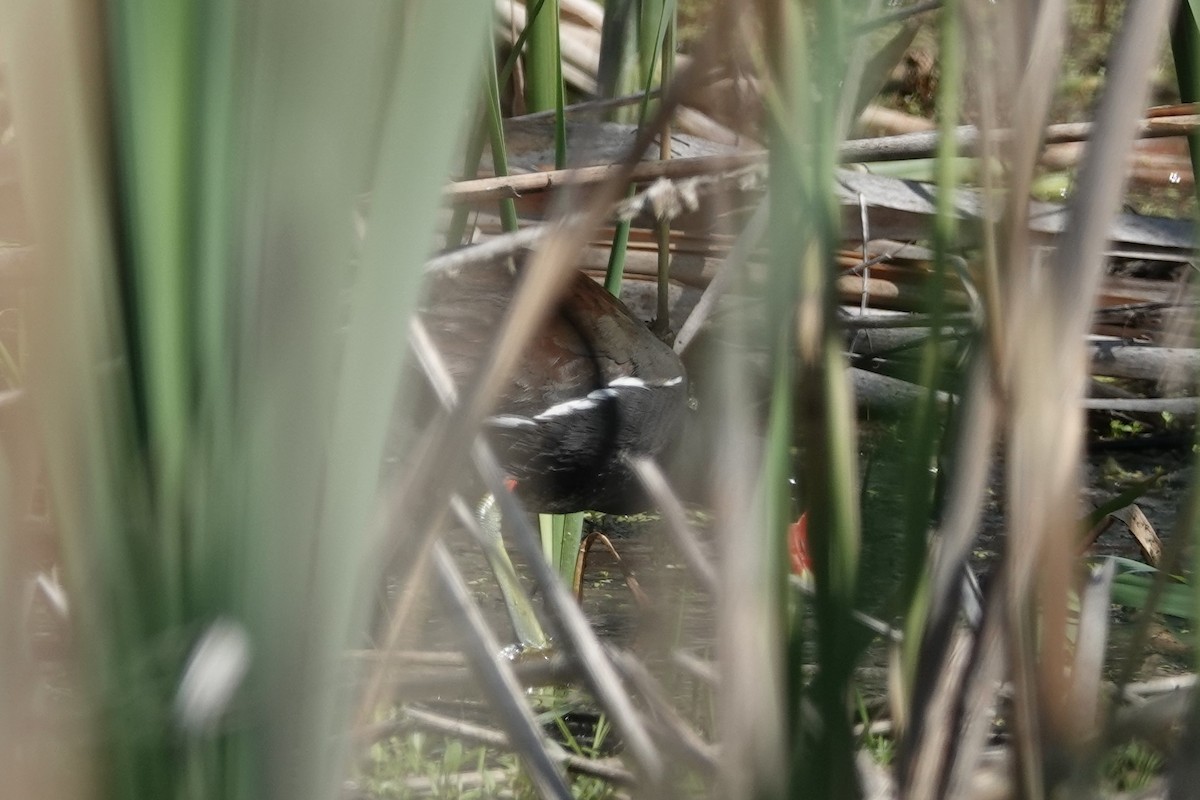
<point>585,547</point>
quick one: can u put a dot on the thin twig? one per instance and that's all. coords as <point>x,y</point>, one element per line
<point>590,106</point>
<point>742,249</point>
<point>699,668</point>
<point>855,322</point>
<point>924,144</point>
<point>503,691</point>
<point>885,148</point>
<point>675,518</point>
<point>607,769</point>
<point>677,732</point>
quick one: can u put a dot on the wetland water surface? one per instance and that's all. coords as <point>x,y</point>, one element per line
<point>680,613</point>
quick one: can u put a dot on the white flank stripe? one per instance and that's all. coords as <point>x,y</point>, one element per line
<point>569,407</point>
<point>511,421</point>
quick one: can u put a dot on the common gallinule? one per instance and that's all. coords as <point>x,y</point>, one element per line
<point>593,388</point>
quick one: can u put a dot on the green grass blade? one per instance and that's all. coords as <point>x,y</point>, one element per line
<point>925,425</point>
<point>495,132</point>
<point>244,136</point>
<point>542,67</point>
